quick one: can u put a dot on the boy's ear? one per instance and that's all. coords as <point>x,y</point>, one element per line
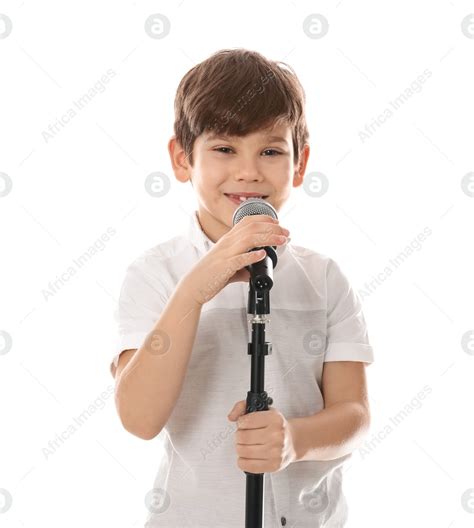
<point>300,169</point>
<point>179,163</point>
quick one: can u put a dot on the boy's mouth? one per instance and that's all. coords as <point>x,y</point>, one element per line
<point>238,199</point>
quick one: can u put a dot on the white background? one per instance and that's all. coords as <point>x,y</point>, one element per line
<point>384,190</point>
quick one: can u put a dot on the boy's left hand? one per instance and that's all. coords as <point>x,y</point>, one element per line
<point>271,430</point>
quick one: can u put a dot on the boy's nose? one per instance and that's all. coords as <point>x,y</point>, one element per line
<point>248,171</point>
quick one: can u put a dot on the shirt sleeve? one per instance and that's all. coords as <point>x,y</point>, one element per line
<point>142,299</point>
<point>347,336</point>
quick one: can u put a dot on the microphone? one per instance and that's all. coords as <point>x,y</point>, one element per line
<point>261,272</point>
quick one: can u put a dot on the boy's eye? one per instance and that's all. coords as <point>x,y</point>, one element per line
<point>219,149</point>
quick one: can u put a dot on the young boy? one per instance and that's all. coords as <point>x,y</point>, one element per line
<point>181,364</point>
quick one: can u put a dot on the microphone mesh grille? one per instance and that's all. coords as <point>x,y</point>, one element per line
<point>253,206</point>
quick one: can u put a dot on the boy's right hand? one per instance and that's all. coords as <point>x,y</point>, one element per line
<point>226,261</point>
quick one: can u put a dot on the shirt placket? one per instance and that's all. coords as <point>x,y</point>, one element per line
<point>281,498</point>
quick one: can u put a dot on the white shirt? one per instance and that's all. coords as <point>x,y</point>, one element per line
<point>315,316</point>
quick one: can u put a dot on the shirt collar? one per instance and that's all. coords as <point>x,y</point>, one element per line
<point>203,243</point>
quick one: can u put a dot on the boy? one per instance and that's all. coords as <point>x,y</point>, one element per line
<point>181,363</point>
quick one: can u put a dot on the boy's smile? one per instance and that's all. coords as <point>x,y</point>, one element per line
<point>238,198</point>
<point>258,164</point>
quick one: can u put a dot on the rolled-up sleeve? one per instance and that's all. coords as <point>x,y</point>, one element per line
<point>142,299</point>
<point>347,336</point>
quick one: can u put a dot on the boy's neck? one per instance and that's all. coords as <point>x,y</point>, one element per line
<point>213,228</point>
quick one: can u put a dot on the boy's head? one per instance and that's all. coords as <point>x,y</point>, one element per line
<point>229,111</point>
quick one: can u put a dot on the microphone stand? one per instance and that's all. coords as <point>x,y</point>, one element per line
<point>260,283</point>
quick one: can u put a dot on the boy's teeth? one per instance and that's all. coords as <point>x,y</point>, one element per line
<point>243,198</point>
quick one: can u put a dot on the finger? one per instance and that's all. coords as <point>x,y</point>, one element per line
<point>273,236</point>
<point>250,437</point>
<point>258,218</point>
<point>252,465</point>
<point>254,420</point>
<point>265,223</point>
<point>245,259</point>
<point>257,451</point>
<point>237,410</point>
<point>236,230</point>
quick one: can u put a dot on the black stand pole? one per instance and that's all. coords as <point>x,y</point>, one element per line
<point>257,398</point>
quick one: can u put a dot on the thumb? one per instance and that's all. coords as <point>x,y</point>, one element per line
<point>237,410</point>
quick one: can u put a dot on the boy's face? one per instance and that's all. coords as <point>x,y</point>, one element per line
<point>258,162</point>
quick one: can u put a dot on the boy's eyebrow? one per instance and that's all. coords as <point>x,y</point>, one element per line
<point>268,138</point>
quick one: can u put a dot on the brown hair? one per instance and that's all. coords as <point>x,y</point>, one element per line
<point>236,92</point>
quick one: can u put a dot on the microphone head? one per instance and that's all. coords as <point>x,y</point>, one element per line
<point>254,206</point>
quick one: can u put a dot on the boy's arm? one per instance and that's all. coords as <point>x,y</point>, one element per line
<point>149,385</point>
<point>341,426</point>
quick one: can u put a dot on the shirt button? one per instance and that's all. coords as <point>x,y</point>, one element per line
<point>283,521</point>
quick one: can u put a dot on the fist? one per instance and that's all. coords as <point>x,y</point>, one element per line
<point>264,440</point>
